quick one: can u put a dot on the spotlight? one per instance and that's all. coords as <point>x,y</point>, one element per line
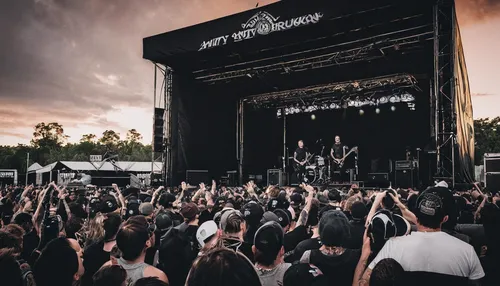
<point>377,110</point>
<point>383,100</point>
<point>393,108</point>
<point>313,117</point>
<point>407,97</point>
<point>361,112</point>
<point>394,99</point>
<point>278,113</point>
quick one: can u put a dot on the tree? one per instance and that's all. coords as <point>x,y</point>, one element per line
<point>134,136</point>
<point>88,138</point>
<point>49,136</point>
<point>487,137</point>
<point>110,138</point>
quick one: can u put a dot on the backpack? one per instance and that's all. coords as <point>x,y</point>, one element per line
<point>176,254</point>
<point>27,274</point>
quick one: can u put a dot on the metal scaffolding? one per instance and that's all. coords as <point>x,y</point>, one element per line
<point>163,99</point>
<point>444,117</point>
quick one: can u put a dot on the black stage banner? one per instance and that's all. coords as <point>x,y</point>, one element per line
<point>266,23</point>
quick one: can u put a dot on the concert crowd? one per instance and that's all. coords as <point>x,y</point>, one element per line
<point>248,236</point>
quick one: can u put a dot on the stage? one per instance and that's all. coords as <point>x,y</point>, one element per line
<point>237,93</point>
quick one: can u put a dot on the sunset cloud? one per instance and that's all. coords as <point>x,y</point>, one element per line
<point>79,63</point>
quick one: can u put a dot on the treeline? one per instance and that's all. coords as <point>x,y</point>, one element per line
<point>50,144</point>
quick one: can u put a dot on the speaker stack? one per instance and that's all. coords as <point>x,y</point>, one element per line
<point>406,175</point>
<point>492,171</point>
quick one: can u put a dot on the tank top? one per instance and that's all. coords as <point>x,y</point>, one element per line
<point>134,271</point>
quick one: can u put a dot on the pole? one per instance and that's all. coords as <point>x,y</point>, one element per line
<point>27,167</point>
<point>154,130</point>
<point>240,169</point>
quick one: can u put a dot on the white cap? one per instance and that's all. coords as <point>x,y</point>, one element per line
<point>442,184</point>
<point>206,230</point>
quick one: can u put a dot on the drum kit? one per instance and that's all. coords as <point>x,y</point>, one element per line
<point>318,172</point>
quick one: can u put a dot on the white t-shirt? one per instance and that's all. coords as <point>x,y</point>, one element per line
<point>433,252</point>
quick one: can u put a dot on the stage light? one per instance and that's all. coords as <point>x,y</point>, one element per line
<point>377,110</point>
<point>313,117</point>
<point>361,112</point>
<point>324,107</point>
<point>411,106</point>
<point>351,103</point>
<point>383,100</point>
<point>393,108</point>
<point>407,97</point>
<point>394,99</point>
<point>278,113</point>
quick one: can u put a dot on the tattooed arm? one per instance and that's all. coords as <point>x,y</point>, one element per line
<point>362,273</point>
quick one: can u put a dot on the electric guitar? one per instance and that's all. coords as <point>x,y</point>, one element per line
<point>340,162</point>
<point>296,166</point>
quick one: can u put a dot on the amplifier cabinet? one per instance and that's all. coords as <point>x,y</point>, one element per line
<point>405,178</point>
<point>275,177</point>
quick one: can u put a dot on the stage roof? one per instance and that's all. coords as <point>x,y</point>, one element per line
<point>288,29</point>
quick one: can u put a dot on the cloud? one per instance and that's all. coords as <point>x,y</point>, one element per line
<point>481,94</point>
<point>472,11</point>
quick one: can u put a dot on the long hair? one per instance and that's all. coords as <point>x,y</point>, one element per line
<point>222,267</point>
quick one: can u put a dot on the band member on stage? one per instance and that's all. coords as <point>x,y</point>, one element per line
<point>337,153</point>
<point>300,158</point>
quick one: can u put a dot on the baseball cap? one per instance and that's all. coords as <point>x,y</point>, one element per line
<point>385,225</point>
<point>269,216</point>
<point>304,274</point>
<point>132,207</point>
<point>205,231</point>
<point>323,200</point>
<point>430,205</point>
<point>94,206</point>
<point>284,217</point>
<point>225,216</point>
<point>218,215</point>
<point>163,221</point>
<point>296,199</point>
<point>269,238</point>
<point>108,204</point>
<point>334,228</point>
<point>252,212</point>
<point>277,203</point>
<point>189,210</point>
<point>146,209</point>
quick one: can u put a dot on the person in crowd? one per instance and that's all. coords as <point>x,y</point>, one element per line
<point>253,213</point>
<point>358,213</point>
<point>99,253</point>
<point>269,254</point>
<point>223,267</point>
<point>133,239</point>
<point>383,226</point>
<point>60,263</point>
<point>110,275</point>
<point>337,262</point>
<point>388,272</point>
<point>233,226</point>
<point>30,238</point>
<point>207,236</point>
<point>428,255</point>
<point>311,243</point>
<point>10,273</point>
<point>304,274</point>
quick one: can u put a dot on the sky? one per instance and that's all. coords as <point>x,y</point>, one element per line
<point>79,62</point>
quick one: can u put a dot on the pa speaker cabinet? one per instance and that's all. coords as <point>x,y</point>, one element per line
<point>275,177</point>
<point>195,177</point>
<point>492,181</point>
<point>379,180</point>
<point>491,162</point>
<point>404,178</point>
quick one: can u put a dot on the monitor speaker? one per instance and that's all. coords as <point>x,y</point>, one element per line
<point>275,177</point>
<point>493,181</point>
<point>378,180</point>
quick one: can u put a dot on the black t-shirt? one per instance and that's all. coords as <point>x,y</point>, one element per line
<point>93,259</point>
<point>338,150</point>
<point>241,246</point>
<point>339,269</point>
<point>292,239</point>
<point>300,154</point>
<point>308,244</point>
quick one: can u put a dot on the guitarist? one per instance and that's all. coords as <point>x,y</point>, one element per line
<point>337,153</point>
<point>300,159</point>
